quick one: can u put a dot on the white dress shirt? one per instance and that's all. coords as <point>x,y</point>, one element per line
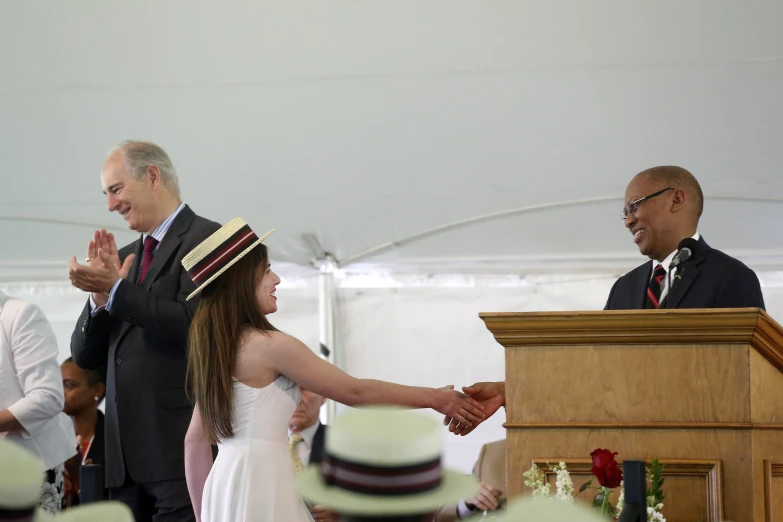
<point>31,384</point>
<point>665,263</point>
<point>305,448</point>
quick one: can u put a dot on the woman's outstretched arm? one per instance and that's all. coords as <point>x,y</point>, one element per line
<point>292,358</point>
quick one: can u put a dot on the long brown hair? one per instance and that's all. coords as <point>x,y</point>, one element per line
<point>227,307</point>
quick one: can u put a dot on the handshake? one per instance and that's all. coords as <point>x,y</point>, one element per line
<point>491,396</point>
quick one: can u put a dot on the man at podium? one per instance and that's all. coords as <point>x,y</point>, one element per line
<point>662,211</point>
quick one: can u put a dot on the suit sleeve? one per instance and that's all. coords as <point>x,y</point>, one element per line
<point>611,294</point>
<point>741,290</point>
<point>90,339</point>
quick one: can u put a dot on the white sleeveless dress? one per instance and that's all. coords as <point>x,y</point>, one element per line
<point>252,479</point>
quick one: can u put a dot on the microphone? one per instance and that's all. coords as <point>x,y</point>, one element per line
<point>635,490</point>
<point>685,251</point>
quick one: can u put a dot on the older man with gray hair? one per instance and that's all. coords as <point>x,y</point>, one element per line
<point>136,322</point>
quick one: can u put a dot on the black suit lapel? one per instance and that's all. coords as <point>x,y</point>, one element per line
<point>640,288</point>
<point>133,275</point>
<point>169,245</point>
<point>171,241</point>
<point>689,272</point>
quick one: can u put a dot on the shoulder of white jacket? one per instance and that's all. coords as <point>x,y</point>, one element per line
<point>18,309</point>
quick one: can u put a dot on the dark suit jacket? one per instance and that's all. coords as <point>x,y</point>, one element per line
<point>317,451</point>
<point>143,342</point>
<point>710,279</point>
<point>97,451</point>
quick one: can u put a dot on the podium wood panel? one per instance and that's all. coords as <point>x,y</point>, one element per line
<point>699,386</point>
<point>773,483</point>
<point>766,388</point>
<point>617,390</point>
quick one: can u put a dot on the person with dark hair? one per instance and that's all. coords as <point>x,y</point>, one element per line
<point>663,207</point>
<point>244,375</point>
<point>84,392</point>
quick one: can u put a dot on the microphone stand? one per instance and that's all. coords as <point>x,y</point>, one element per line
<point>635,489</point>
<point>675,264</point>
<point>684,253</point>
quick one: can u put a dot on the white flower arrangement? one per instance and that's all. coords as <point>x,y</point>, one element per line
<point>564,488</point>
<point>536,480</point>
<point>654,511</point>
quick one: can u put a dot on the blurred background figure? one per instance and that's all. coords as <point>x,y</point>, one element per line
<point>306,441</point>
<point>84,393</point>
<point>490,469</point>
<point>31,394</point>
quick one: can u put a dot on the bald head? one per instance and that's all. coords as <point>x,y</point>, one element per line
<point>663,206</point>
<point>678,178</point>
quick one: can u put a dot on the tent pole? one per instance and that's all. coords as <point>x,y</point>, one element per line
<point>326,321</point>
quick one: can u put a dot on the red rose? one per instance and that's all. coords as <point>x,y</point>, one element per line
<point>605,468</point>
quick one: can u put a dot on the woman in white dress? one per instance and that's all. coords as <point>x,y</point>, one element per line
<point>245,375</point>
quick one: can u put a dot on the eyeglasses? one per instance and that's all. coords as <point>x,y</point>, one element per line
<point>633,206</point>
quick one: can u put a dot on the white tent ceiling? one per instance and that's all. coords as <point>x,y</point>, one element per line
<point>365,123</point>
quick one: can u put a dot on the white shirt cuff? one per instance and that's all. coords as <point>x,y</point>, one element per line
<point>111,294</point>
<point>95,309</point>
<point>462,510</point>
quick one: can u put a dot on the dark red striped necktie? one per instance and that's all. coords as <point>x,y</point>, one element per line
<point>654,288</point>
<point>146,258</point>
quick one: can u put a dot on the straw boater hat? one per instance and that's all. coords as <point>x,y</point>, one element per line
<point>21,484</point>
<point>21,481</point>
<point>218,252</point>
<point>383,461</point>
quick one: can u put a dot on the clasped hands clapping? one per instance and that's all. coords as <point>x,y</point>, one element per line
<point>102,267</point>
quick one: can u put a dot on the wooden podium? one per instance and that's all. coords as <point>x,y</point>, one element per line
<point>701,390</point>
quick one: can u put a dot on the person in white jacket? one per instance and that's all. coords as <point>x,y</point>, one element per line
<point>31,393</point>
